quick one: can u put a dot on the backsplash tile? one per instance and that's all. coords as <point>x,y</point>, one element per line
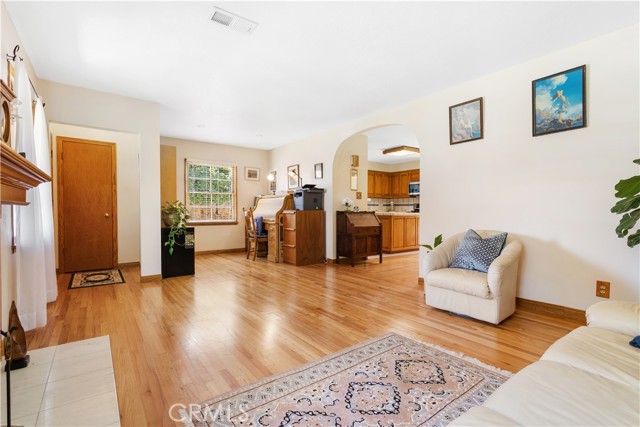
<point>405,204</point>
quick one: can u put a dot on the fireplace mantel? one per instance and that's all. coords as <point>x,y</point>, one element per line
<point>17,175</point>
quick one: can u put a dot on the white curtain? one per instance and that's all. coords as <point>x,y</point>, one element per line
<point>43,161</point>
<point>31,282</point>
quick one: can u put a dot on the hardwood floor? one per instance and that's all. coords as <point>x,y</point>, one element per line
<point>185,340</point>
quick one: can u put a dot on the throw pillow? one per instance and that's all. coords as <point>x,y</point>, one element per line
<point>476,253</point>
<point>635,342</point>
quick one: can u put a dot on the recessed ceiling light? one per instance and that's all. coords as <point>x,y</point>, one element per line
<point>402,150</point>
<point>201,126</point>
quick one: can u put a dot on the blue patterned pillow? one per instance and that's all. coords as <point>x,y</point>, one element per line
<point>476,253</point>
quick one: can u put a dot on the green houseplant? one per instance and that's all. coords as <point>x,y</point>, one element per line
<point>174,216</point>
<point>436,243</point>
<point>629,191</point>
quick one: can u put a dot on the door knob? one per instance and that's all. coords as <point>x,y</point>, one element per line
<point>106,215</point>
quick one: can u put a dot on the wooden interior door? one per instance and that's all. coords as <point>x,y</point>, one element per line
<point>87,221</point>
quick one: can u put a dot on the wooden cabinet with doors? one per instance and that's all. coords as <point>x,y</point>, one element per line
<point>390,184</point>
<point>399,232</point>
<point>303,238</point>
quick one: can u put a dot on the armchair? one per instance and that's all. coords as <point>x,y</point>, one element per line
<point>487,296</point>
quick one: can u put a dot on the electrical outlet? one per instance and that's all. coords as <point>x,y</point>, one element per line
<point>602,289</point>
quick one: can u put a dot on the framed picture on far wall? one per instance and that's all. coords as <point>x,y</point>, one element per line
<point>318,170</point>
<point>559,101</point>
<point>252,174</point>
<point>293,176</point>
<point>465,121</point>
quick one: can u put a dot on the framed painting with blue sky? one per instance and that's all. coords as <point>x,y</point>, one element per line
<point>465,121</point>
<point>559,101</point>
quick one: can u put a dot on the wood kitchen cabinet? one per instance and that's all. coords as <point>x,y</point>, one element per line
<point>389,184</point>
<point>399,233</point>
<point>303,237</point>
<point>414,175</point>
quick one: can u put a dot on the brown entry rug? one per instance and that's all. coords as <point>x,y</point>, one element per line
<point>388,381</point>
<point>95,278</point>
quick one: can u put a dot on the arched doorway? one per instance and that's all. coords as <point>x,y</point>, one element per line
<point>369,172</point>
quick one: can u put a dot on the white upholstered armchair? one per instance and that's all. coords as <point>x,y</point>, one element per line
<point>487,296</point>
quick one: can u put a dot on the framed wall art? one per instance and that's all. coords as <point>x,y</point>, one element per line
<point>559,102</point>
<point>252,174</point>
<point>293,175</point>
<point>465,121</point>
<point>319,173</point>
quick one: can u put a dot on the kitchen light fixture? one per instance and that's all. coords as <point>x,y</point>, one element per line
<point>402,150</point>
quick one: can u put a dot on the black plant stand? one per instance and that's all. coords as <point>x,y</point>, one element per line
<point>182,262</point>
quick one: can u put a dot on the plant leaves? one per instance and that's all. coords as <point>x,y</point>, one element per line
<point>626,204</point>
<point>633,239</point>
<point>627,222</point>
<point>628,187</point>
<point>437,241</point>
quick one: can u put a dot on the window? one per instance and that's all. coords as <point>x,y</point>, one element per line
<point>211,192</point>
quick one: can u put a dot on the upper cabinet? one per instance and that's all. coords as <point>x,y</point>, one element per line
<point>391,184</point>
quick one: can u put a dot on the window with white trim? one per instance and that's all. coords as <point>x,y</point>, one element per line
<point>211,192</point>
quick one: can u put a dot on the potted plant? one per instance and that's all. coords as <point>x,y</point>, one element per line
<point>436,243</point>
<point>629,191</point>
<point>174,216</point>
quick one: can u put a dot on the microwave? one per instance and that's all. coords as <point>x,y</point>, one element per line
<point>414,188</point>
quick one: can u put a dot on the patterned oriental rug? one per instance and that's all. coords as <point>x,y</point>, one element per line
<point>388,381</point>
<point>95,278</point>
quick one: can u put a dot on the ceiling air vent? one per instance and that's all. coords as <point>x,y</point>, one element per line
<point>233,21</point>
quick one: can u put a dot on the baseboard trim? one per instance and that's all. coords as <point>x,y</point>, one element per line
<point>220,251</point>
<point>152,278</point>
<point>556,310</point>
<point>129,264</point>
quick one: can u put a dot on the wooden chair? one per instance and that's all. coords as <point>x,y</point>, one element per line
<point>253,238</point>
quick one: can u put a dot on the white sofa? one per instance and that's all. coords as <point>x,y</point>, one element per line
<point>487,296</point>
<point>590,377</point>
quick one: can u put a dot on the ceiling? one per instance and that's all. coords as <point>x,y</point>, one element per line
<point>309,66</point>
<point>388,137</point>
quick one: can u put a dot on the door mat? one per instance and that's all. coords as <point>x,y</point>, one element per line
<point>388,381</point>
<point>96,278</point>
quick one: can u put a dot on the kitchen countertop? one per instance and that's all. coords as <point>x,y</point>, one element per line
<point>398,213</point>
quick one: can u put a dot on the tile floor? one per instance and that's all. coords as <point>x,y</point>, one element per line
<point>66,385</point>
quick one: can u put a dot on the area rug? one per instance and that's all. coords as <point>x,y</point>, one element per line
<point>95,278</point>
<point>388,381</point>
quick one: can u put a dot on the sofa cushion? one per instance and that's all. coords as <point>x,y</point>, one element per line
<point>483,417</point>
<point>468,282</point>
<point>476,253</point>
<point>553,394</point>
<point>599,351</point>
<point>618,316</point>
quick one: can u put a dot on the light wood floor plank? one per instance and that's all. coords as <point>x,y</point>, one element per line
<point>185,340</point>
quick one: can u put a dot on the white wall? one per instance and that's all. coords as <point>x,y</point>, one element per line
<point>221,237</point>
<point>92,109</point>
<point>394,167</point>
<point>127,181</point>
<point>356,145</point>
<point>554,192</point>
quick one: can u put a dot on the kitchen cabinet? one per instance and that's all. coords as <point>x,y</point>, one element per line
<point>399,232</point>
<point>389,184</point>
<point>414,175</point>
